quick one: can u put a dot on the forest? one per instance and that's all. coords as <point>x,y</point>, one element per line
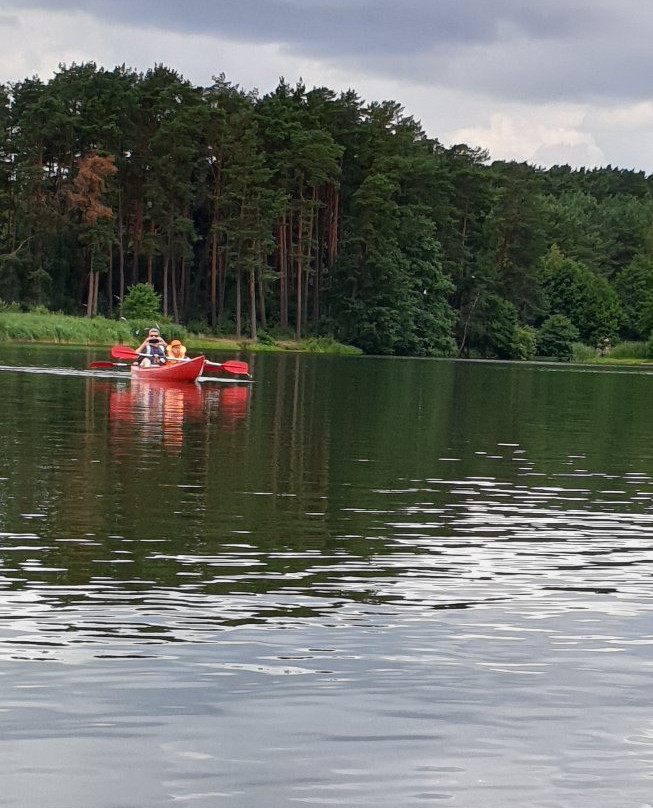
<point>308,212</point>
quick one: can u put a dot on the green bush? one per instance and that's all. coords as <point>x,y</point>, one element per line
<point>524,342</point>
<point>495,329</point>
<point>141,302</point>
<point>265,339</point>
<point>13,306</point>
<point>556,337</point>
<point>168,329</point>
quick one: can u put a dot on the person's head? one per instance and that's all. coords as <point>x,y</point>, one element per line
<point>176,347</point>
<point>153,332</point>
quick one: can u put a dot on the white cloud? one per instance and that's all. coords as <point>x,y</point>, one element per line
<point>548,136</point>
<point>629,118</point>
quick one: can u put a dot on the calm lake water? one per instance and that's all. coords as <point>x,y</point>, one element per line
<point>355,582</point>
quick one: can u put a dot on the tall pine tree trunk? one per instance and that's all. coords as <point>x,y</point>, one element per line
<point>320,253</point>
<point>121,254</point>
<point>334,213</point>
<point>96,289</point>
<point>184,292</point>
<point>173,288</point>
<point>282,253</point>
<point>109,280</point>
<point>164,281</point>
<point>299,276</point>
<point>238,305</point>
<point>222,280</point>
<point>137,237</point>
<point>91,299</point>
<point>89,294</point>
<point>310,258</point>
<point>150,259</point>
<point>261,294</point>
<point>215,307</point>
<point>213,281</point>
<point>252,301</point>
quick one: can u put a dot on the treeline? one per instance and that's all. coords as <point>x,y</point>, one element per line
<point>308,212</point>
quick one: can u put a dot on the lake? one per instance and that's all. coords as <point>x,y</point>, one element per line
<point>353,582</point>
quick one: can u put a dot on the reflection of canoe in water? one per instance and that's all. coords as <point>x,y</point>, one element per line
<point>154,412</point>
<point>233,402</point>
<point>156,405</point>
<point>175,372</point>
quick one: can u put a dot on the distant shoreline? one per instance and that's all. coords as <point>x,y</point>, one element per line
<point>47,328</point>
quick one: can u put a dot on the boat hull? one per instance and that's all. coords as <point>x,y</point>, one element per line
<point>175,372</point>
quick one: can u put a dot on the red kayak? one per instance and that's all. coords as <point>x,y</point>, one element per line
<point>185,371</point>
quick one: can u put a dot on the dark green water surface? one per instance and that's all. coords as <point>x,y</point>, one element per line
<point>354,582</point>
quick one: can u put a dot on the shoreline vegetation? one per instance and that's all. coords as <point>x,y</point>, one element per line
<point>45,327</point>
<point>63,329</point>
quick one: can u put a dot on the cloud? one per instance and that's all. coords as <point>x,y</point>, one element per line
<point>547,50</point>
<point>552,81</point>
<point>554,136</point>
<point>411,25</point>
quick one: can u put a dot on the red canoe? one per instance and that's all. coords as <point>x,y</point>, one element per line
<point>186,371</point>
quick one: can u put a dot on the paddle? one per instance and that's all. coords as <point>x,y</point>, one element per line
<point>231,366</point>
<point>100,364</point>
<point>124,352</point>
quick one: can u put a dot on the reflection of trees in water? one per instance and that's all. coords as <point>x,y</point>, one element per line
<point>266,508</point>
<point>155,489</point>
<point>283,498</point>
<point>151,487</point>
<point>134,468</point>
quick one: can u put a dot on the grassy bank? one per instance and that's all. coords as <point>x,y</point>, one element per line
<point>46,327</point>
<point>624,353</point>
<point>62,329</point>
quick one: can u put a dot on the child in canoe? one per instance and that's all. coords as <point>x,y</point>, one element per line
<point>175,350</point>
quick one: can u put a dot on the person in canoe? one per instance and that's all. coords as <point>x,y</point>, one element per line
<point>175,350</point>
<point>154,348</point>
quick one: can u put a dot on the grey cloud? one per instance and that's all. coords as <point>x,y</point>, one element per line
<point>336,26</point>
<point>510,49</point>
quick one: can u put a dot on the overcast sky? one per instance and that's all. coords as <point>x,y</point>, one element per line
<point>546,81</point>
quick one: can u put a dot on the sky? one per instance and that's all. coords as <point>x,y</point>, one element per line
<point>547,82</point>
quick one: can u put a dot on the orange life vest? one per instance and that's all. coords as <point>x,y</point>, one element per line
<point>175,350</point>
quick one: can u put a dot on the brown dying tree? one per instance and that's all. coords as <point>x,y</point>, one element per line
<point>89,187</point>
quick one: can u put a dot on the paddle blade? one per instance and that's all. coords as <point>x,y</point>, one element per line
<point>103,364</point>
<point>234,366</point>
<point>231,366</point>
<point>123,352</point>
